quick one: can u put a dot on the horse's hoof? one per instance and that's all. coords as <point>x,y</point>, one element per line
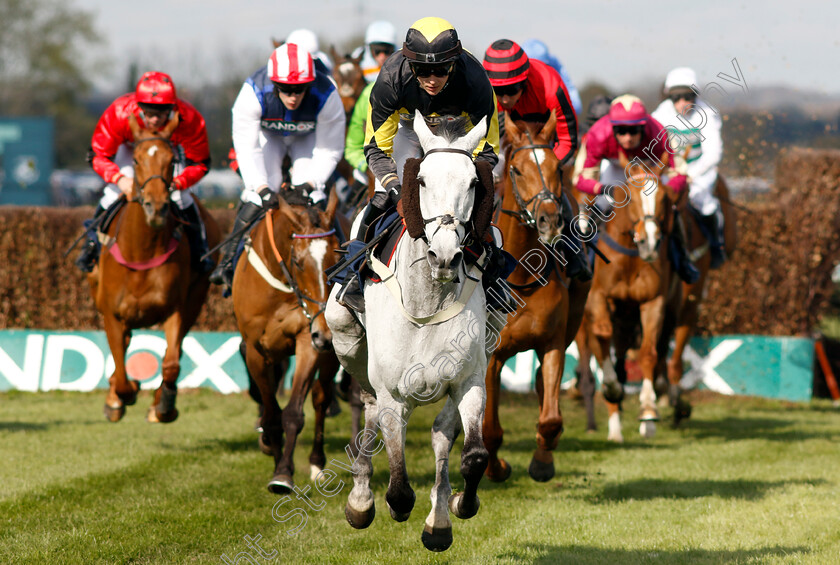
<point>114,414</point>
<point>541,471</point>
<point>155,417</point>
<point>499,473</point>
<point>281,484</point>
<point>649,415</point>
<point>462,510</point>
<point>264,447</point>
<point>258,426</point>
<point>130,398</point>
<point>437,539</point>
<point>398,516</point>
<point>647,429</point>
<point>360,520</point>
<point>334,408</point>
<point>613,392</point>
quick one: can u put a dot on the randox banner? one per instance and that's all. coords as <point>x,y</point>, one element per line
<point>773,367</point>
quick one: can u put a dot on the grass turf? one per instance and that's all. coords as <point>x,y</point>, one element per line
<point>744,481</point>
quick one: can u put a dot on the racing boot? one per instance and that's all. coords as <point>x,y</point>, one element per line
<point>197,236</point>
<point>90,248</point>
<point>714,226</point>
<point>223,273</point>
<point>679,253</point>
<point>577,266</point>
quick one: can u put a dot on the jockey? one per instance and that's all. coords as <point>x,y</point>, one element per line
<point>432,74</point>
<point>153,103</point>
<point>530,90</point>
<point>380,43</point>
<point>685,115</point>
<point>598,108</point>
<point>308,41</point>
<point>285,108</point>
<point>536,49</point>
<point>629,127</point>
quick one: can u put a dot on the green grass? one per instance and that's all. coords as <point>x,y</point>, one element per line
<point>745,481</point>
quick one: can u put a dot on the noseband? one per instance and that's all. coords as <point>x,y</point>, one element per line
<point>528,208</point>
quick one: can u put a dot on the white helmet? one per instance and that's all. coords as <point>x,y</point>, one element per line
<point>381,32</point>
<point>305,39</point>
<point>681,76</point>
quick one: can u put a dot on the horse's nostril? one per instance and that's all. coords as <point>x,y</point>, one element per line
<point>456,260</point>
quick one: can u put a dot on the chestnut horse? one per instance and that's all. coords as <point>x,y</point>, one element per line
<point>144,274</point>
<point>551,304</point>
<point>634,289</point>
<point>349,79</point>
<point>279,294</point>
<point>683,318</point>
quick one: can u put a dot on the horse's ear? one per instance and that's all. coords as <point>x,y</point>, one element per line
<point>512,133</point>
<point>135,127</point>
<point>171,125</point>
<point>548,130</point>
<point>334,54</point>
<point>623,161</point>
<point>276,43</point>
<point>424,134</point>
<point>332,205</point>
<point>358,59</point>
<point>286,210</point>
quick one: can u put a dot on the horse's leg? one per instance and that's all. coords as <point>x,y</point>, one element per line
<point>306,364</point>
<point>322,396</point>
<point>498,470</point>
<point>122,391</point>
<point>360,509</point>
<point>392,417</point>
<point>550,423</point>
<point>356,406</point>
<point>437,531</point>
<point>470,398</point>
<point>586,380</point>
<point>163,407</point>
<point>685,325</point>
<point>652,314</point>
<point>613,392</point>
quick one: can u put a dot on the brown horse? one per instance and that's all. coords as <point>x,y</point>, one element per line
<point>551,304</point>
<point>158,285</point>
<point>682,319</point>
<point>349,78</point>
<point>279,295</point>
<point>632,292</point>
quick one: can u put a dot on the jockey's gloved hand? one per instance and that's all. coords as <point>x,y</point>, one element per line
<point>269,199</point>
<point>304,188</point>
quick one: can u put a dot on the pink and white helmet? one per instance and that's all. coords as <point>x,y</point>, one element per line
<point>628,110</point>
<point>290,64</point>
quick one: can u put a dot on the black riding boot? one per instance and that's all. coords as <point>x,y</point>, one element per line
<point>714,225</point>
<point>495,273</point>
<point>197,236</point>
<point>350,295</point>
<point>682,261</point>
<point>577,266</point>
<point>247,213</point>
<point>90,247</point>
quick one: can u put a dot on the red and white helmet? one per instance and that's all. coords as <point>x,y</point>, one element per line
<point>628,110</point>
<point>290,64</point>
<point>155,88</point>
<point>506,63</point>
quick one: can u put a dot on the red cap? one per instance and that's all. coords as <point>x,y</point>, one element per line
<point>506,63</point>
<point>155,88</point>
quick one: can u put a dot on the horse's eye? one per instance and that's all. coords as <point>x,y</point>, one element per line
<point>515,171</point>
<point>474,183</point>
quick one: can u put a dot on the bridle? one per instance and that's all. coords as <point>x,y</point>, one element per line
<point>447,221</point>
<point>166,182</point>
<point>302,297</point>
<point>528,208</point>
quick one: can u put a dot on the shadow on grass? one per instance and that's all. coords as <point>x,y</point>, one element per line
<point>26,426</point>
<point>770,429</point>
<point>581,555</point>
<point>649,489</point>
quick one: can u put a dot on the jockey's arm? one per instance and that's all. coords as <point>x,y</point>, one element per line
<point>382,122</point>
<point>588,168</point>
<point>329,141</point>
<point>192,137</point>
<point>246,115</point>
<point>567,127</point>
<point>711,145</point>
<point>108,135</point>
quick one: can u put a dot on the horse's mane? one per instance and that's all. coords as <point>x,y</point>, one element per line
<point>452,129</point>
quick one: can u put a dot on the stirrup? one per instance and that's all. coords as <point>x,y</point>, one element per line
<point>718,257</point>
<point>222,274</point>
<point>88,256</point>
<point>350,296</point>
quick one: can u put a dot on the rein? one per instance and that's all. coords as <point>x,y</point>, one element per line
<point>302,297</point>
<point>528,208</point>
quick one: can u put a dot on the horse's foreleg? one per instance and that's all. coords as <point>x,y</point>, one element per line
<point>322,397</point>
<point>498,469</point>
<point>686,324</point>
<point>163,407</point>
<point>356,406</point>
<point>306,364</point>
<point>652,315</point>
<point>393,417</point>
<point>122,391</point>
<point>612,389</point>
<point>586,380</point>
<point>360,509</point>
<point>437,531</point>
<point>470,398</point>
<point>550,424</point>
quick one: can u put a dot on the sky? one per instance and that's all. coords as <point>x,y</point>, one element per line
<point>619,44</point>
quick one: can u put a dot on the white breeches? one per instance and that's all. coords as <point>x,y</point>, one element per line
<point>124,159</point>
<point>275,148</point>
<point>701,192</point>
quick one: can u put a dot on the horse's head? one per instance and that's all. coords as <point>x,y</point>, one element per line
<point>447,179</point>
<point>349,77</point>
<point>649,206</point>
<point>533,175</point>
<point>312,248</point>
<point>154,159</point>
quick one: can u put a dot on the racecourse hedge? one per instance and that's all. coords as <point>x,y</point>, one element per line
<point>777,283</point>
